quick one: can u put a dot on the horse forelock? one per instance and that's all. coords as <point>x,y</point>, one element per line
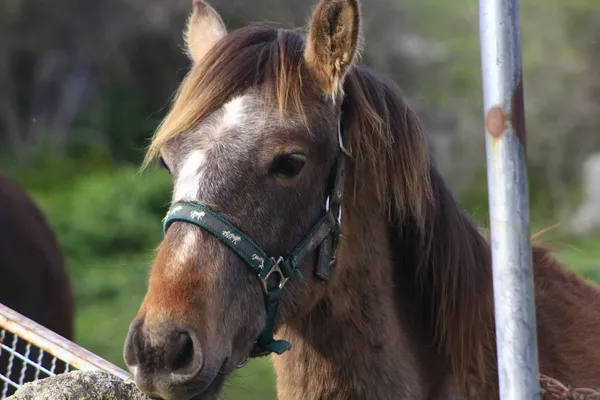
<point>251,57</point>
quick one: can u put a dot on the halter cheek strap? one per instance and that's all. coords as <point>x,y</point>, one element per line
<point>324,237</point>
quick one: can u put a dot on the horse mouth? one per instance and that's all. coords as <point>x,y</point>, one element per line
<point>212,389</point>
<point>256,352</point>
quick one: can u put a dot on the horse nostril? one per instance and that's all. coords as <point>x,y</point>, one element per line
<point>134,346</point>
<point>164,355</point>
<point>179,354</point>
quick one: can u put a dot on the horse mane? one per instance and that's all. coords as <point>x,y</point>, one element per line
<point>443,262</point>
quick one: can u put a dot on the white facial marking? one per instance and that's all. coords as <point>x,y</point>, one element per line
<point>186,248</point>
<point>191,181</point>
<point>188,181</point>
<point>233,112</point>
<point>231,115</point>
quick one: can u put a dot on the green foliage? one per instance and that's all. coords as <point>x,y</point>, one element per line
<point>41,171</point>
<point>475,198</point>
<point>116,212</point>
<point>583,255</point>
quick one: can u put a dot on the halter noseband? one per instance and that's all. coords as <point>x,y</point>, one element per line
<point>324,237</point>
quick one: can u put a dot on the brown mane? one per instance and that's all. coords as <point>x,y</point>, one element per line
<point>442,259</point>
<point>390,150</point>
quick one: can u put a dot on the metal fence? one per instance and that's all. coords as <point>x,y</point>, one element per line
<point>29,351</point>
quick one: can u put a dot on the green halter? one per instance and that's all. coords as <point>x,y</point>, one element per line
<point>324,237</point>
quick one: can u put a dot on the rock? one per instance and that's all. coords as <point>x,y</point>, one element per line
<point>88,385</point>
<point>587,217</point>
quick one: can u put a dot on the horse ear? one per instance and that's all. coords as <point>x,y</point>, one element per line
<point>332,44</point>
<point>205,28</point>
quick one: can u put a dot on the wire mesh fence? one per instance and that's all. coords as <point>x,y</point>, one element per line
<point>29,351</point>
<point>22,362</point>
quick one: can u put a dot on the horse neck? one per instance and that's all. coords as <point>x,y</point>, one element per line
<point>390,327</point>
<point>351,345</point>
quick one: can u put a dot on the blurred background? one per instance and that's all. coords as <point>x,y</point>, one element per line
<point>84,83</point>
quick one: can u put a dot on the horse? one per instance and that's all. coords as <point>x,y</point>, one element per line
<point>308,221</point>
<point>33,278</point>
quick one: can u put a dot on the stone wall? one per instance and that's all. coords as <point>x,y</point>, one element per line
<point>87,385</point>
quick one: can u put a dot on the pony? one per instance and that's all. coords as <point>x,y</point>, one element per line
<point>33,278</point>
<point>308,220</point>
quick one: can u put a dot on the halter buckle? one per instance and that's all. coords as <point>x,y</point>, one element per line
<point>275,269</point>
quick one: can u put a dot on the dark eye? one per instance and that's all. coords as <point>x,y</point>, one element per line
<point>288,165</point>
<point>163,164</point>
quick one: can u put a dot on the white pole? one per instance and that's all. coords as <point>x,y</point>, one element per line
<point>516,336</point>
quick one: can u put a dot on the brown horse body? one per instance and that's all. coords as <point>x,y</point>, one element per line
<point>408,310</point>
<point>33,278</point>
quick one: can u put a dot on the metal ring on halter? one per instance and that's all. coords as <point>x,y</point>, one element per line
<point>275,269</point>
<point>339,213</point>
<point>341,141</point>
<point>243,363</point>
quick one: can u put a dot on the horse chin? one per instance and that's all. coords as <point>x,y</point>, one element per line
<point>213,390</point>
<point>205,388</point>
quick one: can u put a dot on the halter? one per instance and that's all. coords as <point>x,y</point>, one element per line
<point>324,236</point>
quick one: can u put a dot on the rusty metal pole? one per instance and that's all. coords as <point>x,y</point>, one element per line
<point>516,336</point>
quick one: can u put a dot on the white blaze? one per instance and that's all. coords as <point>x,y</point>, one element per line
<point>187,186</point>
<point>190,176</point>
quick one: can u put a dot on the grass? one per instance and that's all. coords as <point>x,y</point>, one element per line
<point>583,256</point>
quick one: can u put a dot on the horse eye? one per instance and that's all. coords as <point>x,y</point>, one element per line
<point>288,165</point>
<point>163,164</point>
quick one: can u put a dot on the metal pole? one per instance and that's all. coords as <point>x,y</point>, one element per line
<point>516,336</point>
